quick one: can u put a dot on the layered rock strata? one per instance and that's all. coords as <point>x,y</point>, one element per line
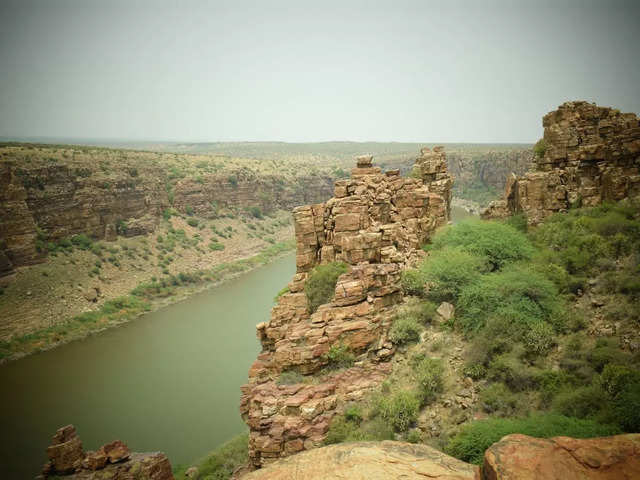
<point>42,201</point>
<point>375,223</point>
<point>68,460</point>
<point>592,156</point>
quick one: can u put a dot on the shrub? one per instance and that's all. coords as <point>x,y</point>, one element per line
<point>412,281</point>
<point>450,270</point>
<point>345,428</point>
<point>224,460</point>
<point>414,436</point>
<point>405,329</point>
<point>255,212</point>
<point>626,408</point>
<point>233,181</point>
<point>320,286</point>
<point>188,210</point>
<point>498,399</point>
<point>476,371</point>
<point>290,377</point>
<point>539,338</point>
<point>215,246</point>
<point>81,241</point>
<point>339,356</point>
<point>581,402</point>
<point>429,373</point>
<point>474,438</point>
<point>399,410</point>
<point>499,244</point>
<point>193,222</point>
<point>540,148</point>
<point>523,296</point>
<point>508,368</point>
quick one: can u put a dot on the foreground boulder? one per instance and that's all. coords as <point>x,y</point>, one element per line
<point>113,461</point>
<point>520,457</point>
<point>369,461</point>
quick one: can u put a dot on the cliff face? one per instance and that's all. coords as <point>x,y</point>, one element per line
<point>592,155</point>
<point>45,199</point>
<point>375,223</point>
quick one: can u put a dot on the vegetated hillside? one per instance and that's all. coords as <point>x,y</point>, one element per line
<point>48,193</point>
<point>544,339</point>
<point>480,170</point>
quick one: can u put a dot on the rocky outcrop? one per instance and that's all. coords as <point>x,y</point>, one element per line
<point>375,223</point>
<point>520,457</point>
<point>46,199</point>
<point>592,155</point>
<point>368,461</point>
<point>113,460</point>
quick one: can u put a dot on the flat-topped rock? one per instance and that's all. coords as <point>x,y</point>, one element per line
<point>364,161</point>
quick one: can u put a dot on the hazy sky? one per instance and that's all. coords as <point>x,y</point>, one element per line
<point>474,71</point>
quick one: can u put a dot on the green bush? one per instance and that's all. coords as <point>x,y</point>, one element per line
<point>498,399</point>
<point>509,369</point>
<point>405,329</point>
<point>429,376</point>
<point>540,148</point>
<point>81,241</point>
<point>320,286</point>
<point>223,461</point>
<point>193,222</point>
<point>497,243</point>
<point>215,246</point>
<point>581,402</point>
<point>345,428</point>
<point>474,438</point>
<point>449,270</point>
<point>339,356</point>
<point>399,410</point>
<point>290,377</point>
<point>539,338</point>
<point>517,293</point>
<point>412,281</point>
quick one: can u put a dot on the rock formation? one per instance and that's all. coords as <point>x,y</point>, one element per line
<point>68,460</point>
<point>592,155</point>
<point>515,457</point>
<point>369,461</point>
<point>43,200</point>
<point>375,223</point>
<point>520,457</point>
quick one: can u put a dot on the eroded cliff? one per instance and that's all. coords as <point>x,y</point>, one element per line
<point>375,223</point>
<point>591,154</point>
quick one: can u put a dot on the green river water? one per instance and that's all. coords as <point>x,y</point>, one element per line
<point>168,381</point>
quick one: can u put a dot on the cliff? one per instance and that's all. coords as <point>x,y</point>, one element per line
<point>375,223</point>
<point>50,193</point>
<point>590,155</point>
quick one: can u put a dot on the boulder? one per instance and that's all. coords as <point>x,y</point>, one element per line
<point>115,451</point>
<point>520,457</point>
<point>368,461</point>
<point>65,453</point>
<point>446,311</point>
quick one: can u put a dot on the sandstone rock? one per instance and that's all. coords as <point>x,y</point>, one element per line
<point>591,157</point>
<point>65,453</point>
<point>520,457</point>
<point>115,451</point>
<point>446,311</point>
<point>368,461</point>
<point>376,224</point>
<point>95,460</point>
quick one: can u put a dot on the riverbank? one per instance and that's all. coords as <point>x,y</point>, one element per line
<point>144,298</point>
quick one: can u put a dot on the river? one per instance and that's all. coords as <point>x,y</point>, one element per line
<point>168,381</point>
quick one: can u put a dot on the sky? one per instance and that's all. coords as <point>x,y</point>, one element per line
<point>304,71</point>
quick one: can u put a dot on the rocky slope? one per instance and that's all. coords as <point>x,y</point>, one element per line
<point>591,155</point>
<point>375,224</point>
<point>50,193</point>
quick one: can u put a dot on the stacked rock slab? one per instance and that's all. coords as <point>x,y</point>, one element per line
<point>113,461</point>
<point>592,156</point>
<point>375,223</point>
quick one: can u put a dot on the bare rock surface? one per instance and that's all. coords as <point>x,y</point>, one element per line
<point>368,461</point>
<point>520,457</point>
<point>592,155</point>
<point>375,223</point>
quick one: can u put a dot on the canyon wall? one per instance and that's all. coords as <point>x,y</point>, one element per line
<point>591,155</point>
<point>375,223</point>
<point>43,200</point>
